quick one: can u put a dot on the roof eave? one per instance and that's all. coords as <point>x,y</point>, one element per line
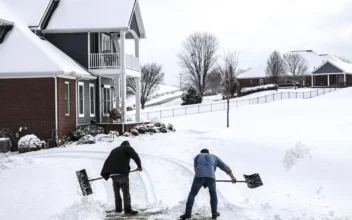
<point>84,30</point>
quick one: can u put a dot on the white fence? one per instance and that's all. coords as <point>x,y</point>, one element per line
<point>234,103</point>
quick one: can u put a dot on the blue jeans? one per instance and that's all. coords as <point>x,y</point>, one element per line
<point>198,182</point>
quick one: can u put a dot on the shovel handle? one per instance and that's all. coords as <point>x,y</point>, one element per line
<point>100,178</point>
<point>230,181</point>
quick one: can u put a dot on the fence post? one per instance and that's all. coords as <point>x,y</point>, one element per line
<point>173,112</point>
<point>273,96</point>
<point>310,94</point>
<point>296,95</point>
<point>257,100</point>
<point>185,110</point>
<point>211,107</point>
<point>266,99</point>
<point>198,108</point>
<point>160,113</point>
<point>236,104</point>
<point>317,92</point>
<point>281,95</point>
<point>289,95</point>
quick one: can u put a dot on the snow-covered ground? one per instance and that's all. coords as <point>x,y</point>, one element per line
<point>164,92</point>
<point>301,149</point>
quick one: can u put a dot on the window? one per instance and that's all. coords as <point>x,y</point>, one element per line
<point>92,100</point>
<point>67,98</point>
<point>105,42</point>
<point>251,82</point>
<point>261,82</point>
<point>106,99</point>
<point>81,99</point>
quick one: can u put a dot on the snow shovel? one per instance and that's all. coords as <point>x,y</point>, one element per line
<point>253,181</point>
<point>84,181</point>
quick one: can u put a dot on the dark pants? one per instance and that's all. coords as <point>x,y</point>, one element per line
<point>122,182</point>
<point>198,182</point>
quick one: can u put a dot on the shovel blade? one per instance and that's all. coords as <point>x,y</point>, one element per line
<point>84,182</point>
<point>253,181</point>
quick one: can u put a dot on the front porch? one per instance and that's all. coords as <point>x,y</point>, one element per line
<point>327,80</point>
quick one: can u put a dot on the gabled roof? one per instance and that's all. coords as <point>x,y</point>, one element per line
<point>94,15</point>
<point>313,59</point>
<point>30,12</point>
<point>339,64</point>
<point>24,54</point>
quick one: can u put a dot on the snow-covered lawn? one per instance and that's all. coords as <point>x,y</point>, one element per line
<point>164,92</point>
<point>301,149</point>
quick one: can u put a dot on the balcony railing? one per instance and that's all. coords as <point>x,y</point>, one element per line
<point>111,60</point>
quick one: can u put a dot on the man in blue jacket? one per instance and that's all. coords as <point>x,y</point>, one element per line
<point>205,165</point>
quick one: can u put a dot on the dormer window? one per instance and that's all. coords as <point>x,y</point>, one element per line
<point>5,28</point>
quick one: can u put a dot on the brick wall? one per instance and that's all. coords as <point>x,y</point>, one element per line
<point>67,123</point>
<point>253,82</point>
<point>28,103</point>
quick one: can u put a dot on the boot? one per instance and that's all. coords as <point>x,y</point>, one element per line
<point>215,215</point>
<point>185,216</point>
<point>131,212</point>
<point>118,210</point>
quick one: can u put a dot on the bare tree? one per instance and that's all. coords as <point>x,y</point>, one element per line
<point>296,65</point>
<point>151,77</point>
<point>198,58</point>
<point>276,67</point>
<point>229,72</point>
<point>214,81</point>
<point>344,59</point>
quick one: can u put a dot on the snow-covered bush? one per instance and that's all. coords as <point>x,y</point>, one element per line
<point>163,128</point>
<point>87,139</point>
<point>250,90</point>
<point>191,97</point>
<point>30,143</point>
<point>114,134</point>
<point>141,129</point>
<point>86,130</point>
<point>158,124</point>
<point>170,127</point>
<point>126,134</point>
<point>134,132</point>
<point>151,128</point>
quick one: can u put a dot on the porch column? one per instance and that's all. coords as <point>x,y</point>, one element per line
<point>117,91</point>
<point>123,76</point>
<point>312,83</point>
<point>328,80</point>
<point>136,47</point>
<point>138,99</point>
<point>344,79</point>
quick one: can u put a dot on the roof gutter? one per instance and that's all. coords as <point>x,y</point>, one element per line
<point>84,30</point>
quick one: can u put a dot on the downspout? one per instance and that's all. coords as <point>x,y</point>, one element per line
<point>56,111</point>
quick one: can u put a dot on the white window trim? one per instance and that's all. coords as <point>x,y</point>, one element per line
<point>69,100</point>
<point>80,84</point>
<point>91,85</point>
<point>106,86</point>
<point>261,82</point>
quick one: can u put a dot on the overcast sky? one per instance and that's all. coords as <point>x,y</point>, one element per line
<point>254,28</point>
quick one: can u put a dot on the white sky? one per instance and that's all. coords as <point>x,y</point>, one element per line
<point>254,28</point>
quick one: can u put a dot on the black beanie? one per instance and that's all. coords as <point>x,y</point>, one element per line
<point>205,151</point>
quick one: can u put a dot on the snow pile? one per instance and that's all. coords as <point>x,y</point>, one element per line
<point>87,139</point>
<point>295,154</point>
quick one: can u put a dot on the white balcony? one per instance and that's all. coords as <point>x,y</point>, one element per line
<point>111,61</point>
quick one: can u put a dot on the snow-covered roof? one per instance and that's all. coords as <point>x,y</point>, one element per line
<point>339,64</point>
<point>25,54</point>
<point>83,15</point>
<point>29,11</point>
<point>313,59</point>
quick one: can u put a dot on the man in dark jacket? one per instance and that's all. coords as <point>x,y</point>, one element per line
<point>205,165</point>
<point>117,166</point>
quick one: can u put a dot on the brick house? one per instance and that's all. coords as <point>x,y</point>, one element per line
<point>319,66</point>
<point>60,69</point>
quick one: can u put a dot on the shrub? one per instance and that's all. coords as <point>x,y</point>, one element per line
<point>134,132</point>
<point>126,134</point>
<point>87,139</point>
<point>30,143</point>
<point>151,128</point>
<point>248,91</point>
<point>141,129</point>
<point>191,97</point>
<point>86,130</point>
<point>170,127</point>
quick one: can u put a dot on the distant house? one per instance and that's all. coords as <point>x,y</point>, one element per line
<point>64,63</point>
<point>319,68</point>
